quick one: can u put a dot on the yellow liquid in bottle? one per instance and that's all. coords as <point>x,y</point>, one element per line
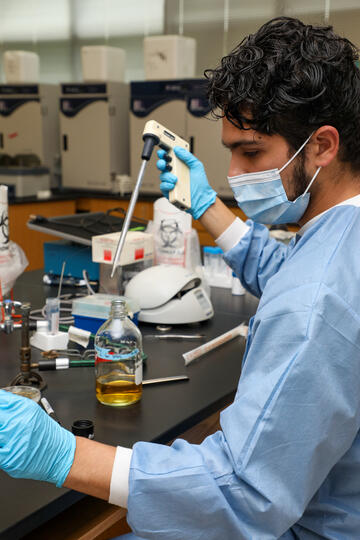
<point>118,392</point>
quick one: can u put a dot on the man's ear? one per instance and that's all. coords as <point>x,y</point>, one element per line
<point>324,145</point>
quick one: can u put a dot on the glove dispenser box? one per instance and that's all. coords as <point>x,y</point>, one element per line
<point>181,106</point>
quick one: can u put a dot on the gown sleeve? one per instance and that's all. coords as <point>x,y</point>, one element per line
<point>295,414</point>
<point>256,258</point>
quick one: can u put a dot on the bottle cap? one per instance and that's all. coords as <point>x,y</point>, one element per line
<point>118,302</point>
<point>83,428</point>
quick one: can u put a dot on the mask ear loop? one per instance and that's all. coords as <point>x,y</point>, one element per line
<point>297,152</point>
<point>312,180</point>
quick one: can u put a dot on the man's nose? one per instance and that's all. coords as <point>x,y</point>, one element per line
<point>236,167</point>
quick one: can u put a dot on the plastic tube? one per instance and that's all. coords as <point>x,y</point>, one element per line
<point>52,311</point>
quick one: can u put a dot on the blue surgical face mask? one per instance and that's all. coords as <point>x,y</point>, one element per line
<point>262,197</point>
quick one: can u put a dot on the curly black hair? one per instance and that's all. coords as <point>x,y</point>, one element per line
<point>290,78</point>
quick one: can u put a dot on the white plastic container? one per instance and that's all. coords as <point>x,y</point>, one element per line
<point>103,63</point>
<point>217,272</point>
<point>169,57</point>
<point>21,67</point>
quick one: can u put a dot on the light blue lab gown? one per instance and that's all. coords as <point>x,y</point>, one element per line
<point>287,461</point>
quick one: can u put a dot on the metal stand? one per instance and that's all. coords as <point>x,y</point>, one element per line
<point>26,376</point>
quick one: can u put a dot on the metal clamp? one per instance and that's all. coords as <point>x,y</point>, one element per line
<point>9,325</point>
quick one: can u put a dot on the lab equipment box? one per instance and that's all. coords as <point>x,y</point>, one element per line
<point>103,63</point>
<point>29,127</point>
<point>94,127</point>
<point>77,258</point>
<point>25,182</point>
<point>21,67</point>
<point>181,106</point>
<point>169,57</point>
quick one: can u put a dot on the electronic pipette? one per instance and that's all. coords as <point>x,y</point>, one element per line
<point>156,134</point>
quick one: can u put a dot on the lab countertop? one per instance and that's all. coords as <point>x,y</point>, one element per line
<point>165,411</point>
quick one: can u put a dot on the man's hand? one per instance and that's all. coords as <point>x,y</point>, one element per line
<point>202,194</point>
<point>33,445</point>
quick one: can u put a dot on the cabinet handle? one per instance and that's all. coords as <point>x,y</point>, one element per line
<point>192,144</point>
<point>65,142</point>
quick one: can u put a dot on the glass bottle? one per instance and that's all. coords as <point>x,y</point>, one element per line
<point>118,359</point>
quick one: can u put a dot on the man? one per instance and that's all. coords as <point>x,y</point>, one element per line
<point>287,461</point>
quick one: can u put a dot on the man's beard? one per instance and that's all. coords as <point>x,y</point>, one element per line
<point>300,178</point>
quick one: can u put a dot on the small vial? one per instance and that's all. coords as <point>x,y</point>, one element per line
<point>213,261</point>
<point>220,263</point>
<point>52,310</point>
<point>207,259</point>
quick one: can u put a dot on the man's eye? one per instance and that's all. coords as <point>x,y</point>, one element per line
<point>251,154</point>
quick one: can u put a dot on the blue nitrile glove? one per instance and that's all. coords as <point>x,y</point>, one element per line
<point>33,445</point>
<point>202,194</point>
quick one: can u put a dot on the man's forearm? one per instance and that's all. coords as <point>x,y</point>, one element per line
<point>92,467</point>
<point>217,218</point>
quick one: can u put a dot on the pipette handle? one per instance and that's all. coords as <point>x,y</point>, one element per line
<point>128,216</point>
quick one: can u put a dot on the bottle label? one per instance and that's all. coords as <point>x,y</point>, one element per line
<point>138,371</point>
<point>106,355</point>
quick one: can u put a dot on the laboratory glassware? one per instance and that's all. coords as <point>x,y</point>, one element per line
<point>118,359</point>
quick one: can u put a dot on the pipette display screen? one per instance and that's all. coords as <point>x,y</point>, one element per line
<point>170,135</point>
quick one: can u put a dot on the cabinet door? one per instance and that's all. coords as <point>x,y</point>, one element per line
<point>205,134</point>
<point>171,115</point>
<point>85,143</point>
<point>21,127</point>
<point>32,241</point>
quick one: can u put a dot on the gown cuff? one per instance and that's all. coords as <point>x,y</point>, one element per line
<point>232,235</point>
<point>119,485</point>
